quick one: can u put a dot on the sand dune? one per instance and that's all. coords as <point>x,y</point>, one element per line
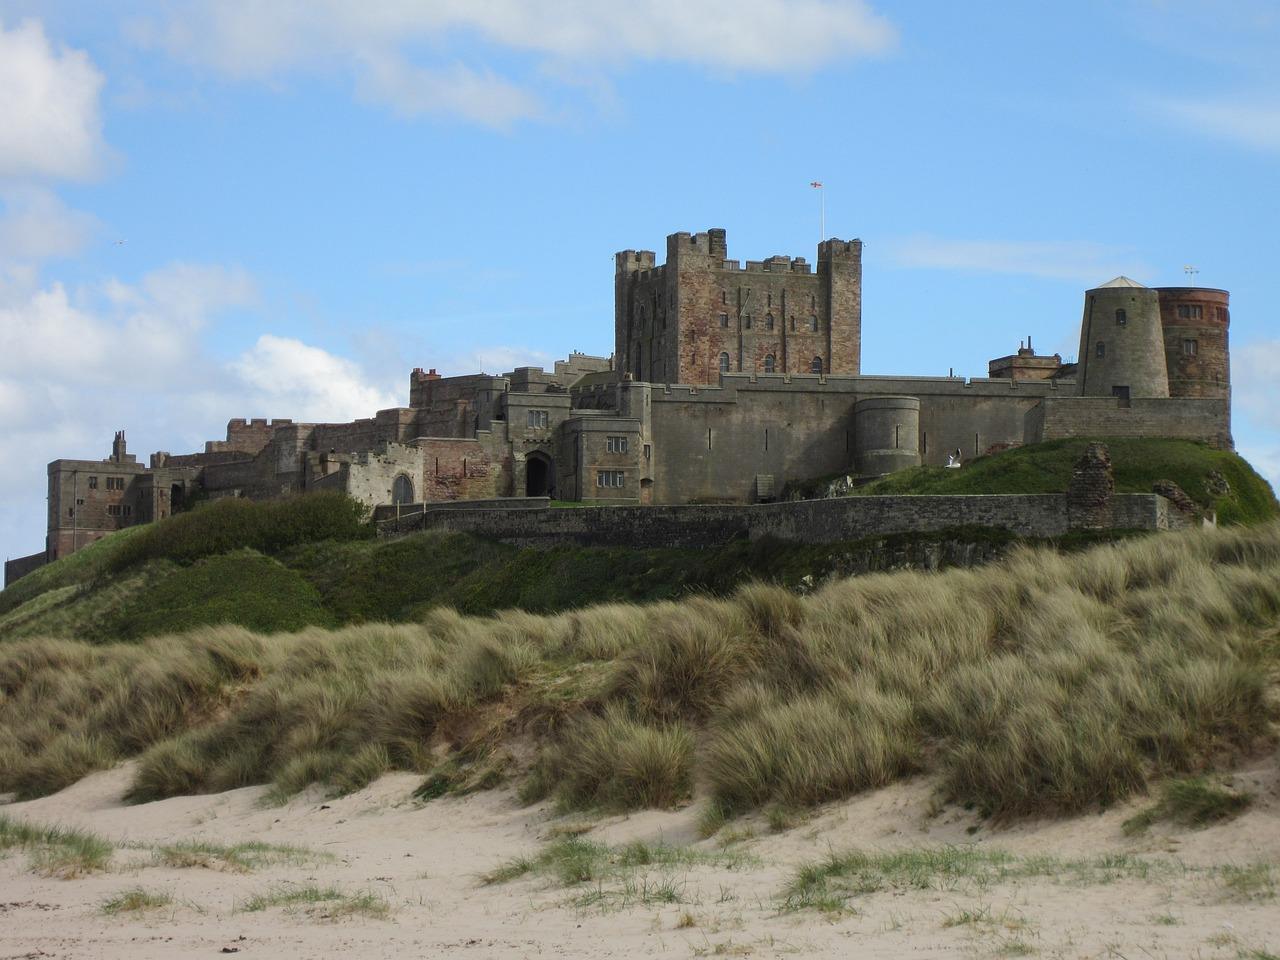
<point>419,865</point>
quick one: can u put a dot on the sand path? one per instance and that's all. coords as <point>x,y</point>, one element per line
<point>423,862</point>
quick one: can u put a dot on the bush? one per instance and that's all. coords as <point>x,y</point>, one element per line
<point>269,527</point>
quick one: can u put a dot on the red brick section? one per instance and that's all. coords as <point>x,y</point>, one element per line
<point>674,323</point>
<point>460,470</point>
<point>1206,373</point>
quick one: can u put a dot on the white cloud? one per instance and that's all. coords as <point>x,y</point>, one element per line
<point>250,40</point>
<point>1249,122</point>
<point>35,225</point>
<point>412,91</point>
<point>118,335</point>
<point>49,120</point>
<point>499,359</point>
<point>77,364</point>
<point>307,383</point>
<point>1089,263</point>
<point>1255,390</point>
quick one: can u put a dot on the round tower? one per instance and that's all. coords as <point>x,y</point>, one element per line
<point>1195,321</point>
<point>886,435</point>
<point>1122,342</point>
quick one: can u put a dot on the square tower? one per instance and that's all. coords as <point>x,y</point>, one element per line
<point>701,314</point>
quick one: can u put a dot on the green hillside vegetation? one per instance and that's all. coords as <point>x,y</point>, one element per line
<point>1046,468</point>
<point>1044,683</point>
<point>313,561</point>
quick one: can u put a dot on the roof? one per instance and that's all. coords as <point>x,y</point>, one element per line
<point>1121,282</point>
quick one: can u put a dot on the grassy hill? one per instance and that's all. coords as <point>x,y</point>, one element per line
<point>1042,684</point>
<point>312,561</point>
<point>1046,468</point>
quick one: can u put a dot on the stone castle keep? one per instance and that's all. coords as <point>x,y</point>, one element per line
<point>728,380</point>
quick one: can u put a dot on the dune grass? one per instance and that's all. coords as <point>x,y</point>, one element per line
<point>619,872</point>
<point>241,857</point>
<point>832,883</point>
<point>329,902</point>
<point>135,900</point>
<point>1192,802</point>
<point>56,851</point>
<point>1047,683</point>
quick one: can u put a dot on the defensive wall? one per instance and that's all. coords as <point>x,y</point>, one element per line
<point>807,521</point>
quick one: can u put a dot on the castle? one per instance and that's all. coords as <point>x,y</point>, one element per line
<point>728,380</point>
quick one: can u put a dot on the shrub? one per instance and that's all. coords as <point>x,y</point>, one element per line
<point>231,524</point>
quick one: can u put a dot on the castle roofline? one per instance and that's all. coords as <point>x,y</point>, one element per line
<point>1121,281</point>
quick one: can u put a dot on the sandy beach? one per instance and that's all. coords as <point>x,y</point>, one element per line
<point>404,878</point>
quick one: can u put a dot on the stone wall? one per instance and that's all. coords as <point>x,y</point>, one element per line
<point>1205,420</point>
<point>809,521</point>
<point>17,569</point>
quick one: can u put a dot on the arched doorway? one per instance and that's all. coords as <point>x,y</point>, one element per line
<point>539,480</point>
<point>402,490</point>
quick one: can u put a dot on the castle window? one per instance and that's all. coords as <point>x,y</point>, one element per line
<point>126,510</point>
<point>746,320</point>
<point>724,363</point>
<point>724,320</point>
<point>1220,313</point>
<point>1101,350</point>
<point>768,321</point>
<point>93,483</point>
<point>1121,317</point>
<point>1190,347</point>
<point>615,444</point>
<point>610,478</point>
<point>115,483</point>
<point>724,296</point>
<point>813,324</point>
<point>793,324</point>
<point>113,510</point>
<point>770,303</point>
<point>648,451</point>
<point>813,302</point>
<point>1190,311</point>
<point>815,366</point>
<point>538,419</point>
<point>769,363</point>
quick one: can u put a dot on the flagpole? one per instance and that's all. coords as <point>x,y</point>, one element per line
<point>822,207</point>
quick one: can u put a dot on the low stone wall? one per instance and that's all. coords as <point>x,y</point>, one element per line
<point>19,568</point>
<point>409,512</point>
<point>812,521</point>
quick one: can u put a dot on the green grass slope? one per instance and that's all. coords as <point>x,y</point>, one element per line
<point>1046,468</point>
<point>312,561</point>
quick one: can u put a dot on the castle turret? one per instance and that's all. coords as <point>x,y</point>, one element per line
<point>1122,350</point>
<point>1194,322</point>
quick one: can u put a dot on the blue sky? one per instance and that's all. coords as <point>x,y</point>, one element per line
<point>223,208</point>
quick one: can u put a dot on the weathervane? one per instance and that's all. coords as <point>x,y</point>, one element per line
<point>1191,272</point>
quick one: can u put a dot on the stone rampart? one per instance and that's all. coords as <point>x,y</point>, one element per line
<point>812,521</point>
<point>17,569</point>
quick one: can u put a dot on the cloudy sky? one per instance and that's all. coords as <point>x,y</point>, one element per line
<point>230,208</point>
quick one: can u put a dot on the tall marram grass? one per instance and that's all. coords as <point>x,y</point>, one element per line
<point>1047,683</point>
